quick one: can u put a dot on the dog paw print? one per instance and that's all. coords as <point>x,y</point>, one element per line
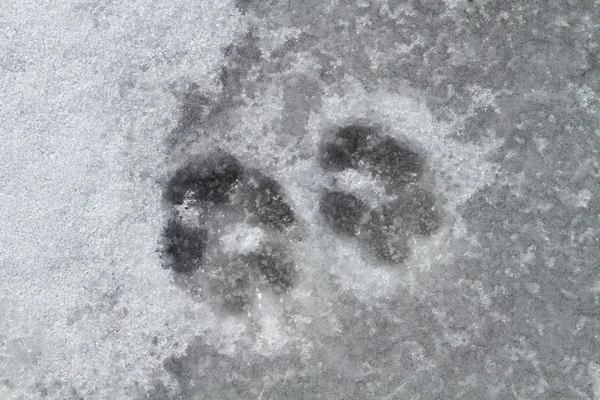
<point>227,229</point>
<point>409,210</point>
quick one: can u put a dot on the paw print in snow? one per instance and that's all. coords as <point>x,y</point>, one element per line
<point>383,230</point>
<point>210,198</point>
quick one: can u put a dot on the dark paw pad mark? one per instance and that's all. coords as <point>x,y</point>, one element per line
<point>388,227</point>
<point>274,266</point>
<point>267,203</point>
<point>393,162</point>
<point>385,235</point>
<point>184,246</point>
<point>206,179</point>
<point>356,147</point>
<point>384,230</point>
<point>221,190</point>
<point>342,212</point>
<point>346,149</point>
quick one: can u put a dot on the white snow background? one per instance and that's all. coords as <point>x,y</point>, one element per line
<point>81,296</point>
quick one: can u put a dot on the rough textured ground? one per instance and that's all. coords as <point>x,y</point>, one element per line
<point>299,200</point>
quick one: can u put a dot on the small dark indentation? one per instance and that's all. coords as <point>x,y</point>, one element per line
<point>346,148</point>
<point>184,246</point>
<point>267,203</point>
<point>343,212</point>
<point>334,157</point>
<point>354,136</point>
<point>207,179</point>
<point>385,235</point>
<point>275,266</point>
<point>390,161</point>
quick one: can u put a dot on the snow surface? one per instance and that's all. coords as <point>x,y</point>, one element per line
<point>500,303</point>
